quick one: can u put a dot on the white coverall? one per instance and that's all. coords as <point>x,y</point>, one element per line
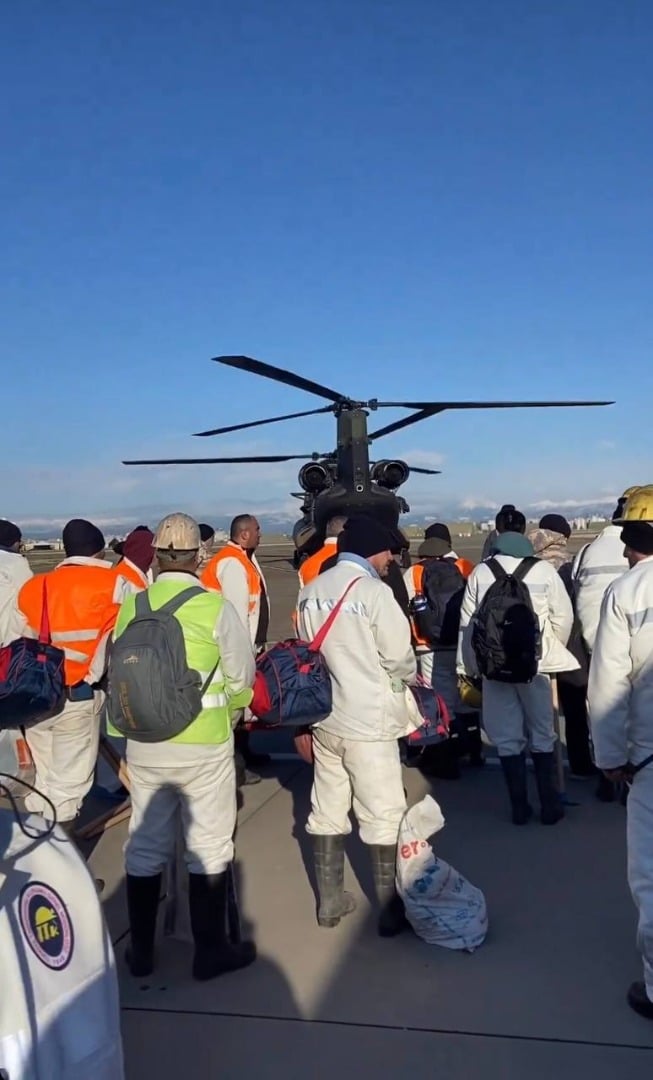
<point>59,1007</point>
<point>14,572</point>
<point>370,657</point>
<point>595,567</point>
<point>620,698</point>
<point>196,780</point>
<point>520,716</point>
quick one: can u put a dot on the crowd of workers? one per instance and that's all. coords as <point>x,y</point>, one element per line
<point>595,615</point>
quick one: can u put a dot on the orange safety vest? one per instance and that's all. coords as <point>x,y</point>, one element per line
<point>311,567</point>
<point>81,609</point>
<point>417,571</point>
<point>209,576</point>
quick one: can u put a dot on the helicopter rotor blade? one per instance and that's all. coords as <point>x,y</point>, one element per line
<point>223,460</point>
<point>269,371</point>
<point>427,409</point>
<point>260,423</point>
<point>440,406</point>
<point>405,422</point>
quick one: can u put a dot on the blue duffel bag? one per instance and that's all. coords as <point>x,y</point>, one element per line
<point>32,678</point>
<point>293,684</point>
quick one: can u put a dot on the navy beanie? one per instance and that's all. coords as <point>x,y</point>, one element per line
<point>80,537</point>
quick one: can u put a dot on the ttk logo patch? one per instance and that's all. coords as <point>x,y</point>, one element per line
<point>46,924</point>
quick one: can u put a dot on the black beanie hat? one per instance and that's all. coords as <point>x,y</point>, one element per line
<point>438,531</point>
<point>10,534</point>
<point>365,536</point>
<point>82,538</point>
<point>556,523</point>
<point>638,536</point>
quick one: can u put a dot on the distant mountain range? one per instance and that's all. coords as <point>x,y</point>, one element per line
<point>282,519</point>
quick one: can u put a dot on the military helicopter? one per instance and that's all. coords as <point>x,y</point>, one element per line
<point>344,481</point>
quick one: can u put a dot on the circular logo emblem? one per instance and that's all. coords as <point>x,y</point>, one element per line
<point>46,924</point>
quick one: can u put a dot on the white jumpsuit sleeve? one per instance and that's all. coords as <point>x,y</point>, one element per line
<point>561,613</point>
<point>391,631</point>
<point>236,654</point>
<point>609,686</point>
<point>235,588</point>
<point>464,665</point>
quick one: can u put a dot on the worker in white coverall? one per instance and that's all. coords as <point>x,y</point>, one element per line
<point>595,567</point>
<point>59,1006</point>
<point>369,654</point>
<point>519,716</point>
<point>621,714</point>
<point>193,773</point>
<point>235,572</point>
<point>81,599</point>
<point>14,572</point>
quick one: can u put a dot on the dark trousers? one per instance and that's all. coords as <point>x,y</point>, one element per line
<point>573,702</point>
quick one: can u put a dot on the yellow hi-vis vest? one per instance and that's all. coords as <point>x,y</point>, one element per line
<point>197,618</point>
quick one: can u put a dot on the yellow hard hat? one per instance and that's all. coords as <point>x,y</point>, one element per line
<point>469,691</point>
<point>639,507</point>
<point>630,491</point>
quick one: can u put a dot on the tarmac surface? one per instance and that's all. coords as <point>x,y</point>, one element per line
<point>544,996</point>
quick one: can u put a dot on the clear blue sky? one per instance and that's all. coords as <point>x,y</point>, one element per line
<point>423,198</point>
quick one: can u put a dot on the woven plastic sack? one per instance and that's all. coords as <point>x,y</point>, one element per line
<point>442,907</point>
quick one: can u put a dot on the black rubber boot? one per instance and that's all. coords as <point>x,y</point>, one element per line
<point>551,808</point>
<point>142,904</point>
<point>215,954</point>
<point>392,917</point>
<point>329,855</point>
<point>514,772</point>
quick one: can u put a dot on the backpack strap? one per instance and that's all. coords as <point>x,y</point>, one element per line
<point>177,601</point>
<point>318,641</point>
<point>524,566</point>
<point>496,568</point>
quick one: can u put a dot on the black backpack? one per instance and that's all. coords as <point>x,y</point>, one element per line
<point>443,587</point>
<point>506,636</point>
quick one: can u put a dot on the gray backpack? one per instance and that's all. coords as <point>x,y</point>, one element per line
<point>153,695</point>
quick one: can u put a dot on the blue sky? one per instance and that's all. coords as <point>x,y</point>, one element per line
<point>418,198</point>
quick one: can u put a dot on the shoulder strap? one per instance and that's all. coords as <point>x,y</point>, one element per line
<point>142,604</point>
<point>318,640</point>
<point>44,631</point>
<point>524,566</point>
<point>496,568</point>
<point>581,559</point>
<point>180,599</point>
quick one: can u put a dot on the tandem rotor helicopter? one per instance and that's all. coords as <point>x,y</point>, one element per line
<point>344,481</point>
